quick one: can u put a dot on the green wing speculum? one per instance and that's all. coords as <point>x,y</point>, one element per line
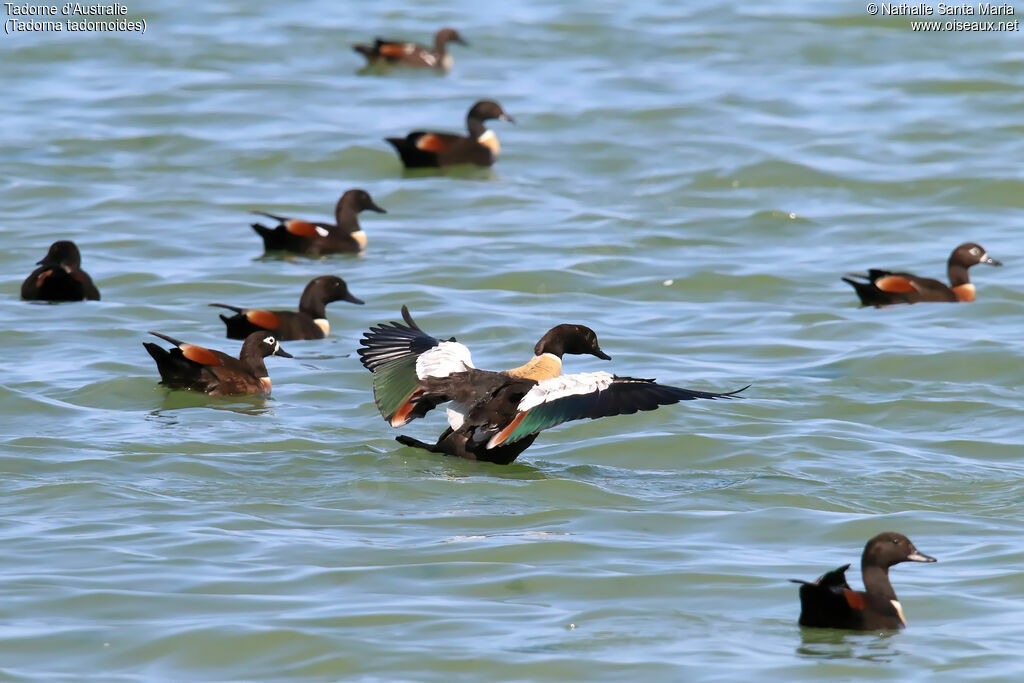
<point>590,395</point>
<point>396,353</point>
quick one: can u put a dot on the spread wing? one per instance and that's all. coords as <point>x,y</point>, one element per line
<point>590,395</point>
<point>400,356</point>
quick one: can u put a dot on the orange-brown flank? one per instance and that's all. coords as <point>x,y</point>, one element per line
<point>199,354</point>
<point>264,319</point>
<point>895,284</point>
<point>855,599</point>
<point>431,143</point>
<point>392,50</point>
<point>301,228</point>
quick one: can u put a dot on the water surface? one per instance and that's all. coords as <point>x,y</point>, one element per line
<point>689,181</point>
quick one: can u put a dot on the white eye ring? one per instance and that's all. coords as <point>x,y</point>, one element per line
<point>269,340</point>
<point>975,251</point>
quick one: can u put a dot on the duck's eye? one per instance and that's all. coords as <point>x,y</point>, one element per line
<point>269,340</point>
<point>975,251</point>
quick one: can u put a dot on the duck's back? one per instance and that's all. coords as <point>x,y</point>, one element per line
<point>829,602</point>
<point>53,283</point>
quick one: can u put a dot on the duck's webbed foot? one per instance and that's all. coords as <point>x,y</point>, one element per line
<point>416,443</point>
<point>449,443</point>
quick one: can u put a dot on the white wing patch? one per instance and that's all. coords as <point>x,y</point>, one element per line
<point>442,360</point>
<point>428,59</point>
<point>566,385</point>
<point>323,232</point>
<point>456,415</point>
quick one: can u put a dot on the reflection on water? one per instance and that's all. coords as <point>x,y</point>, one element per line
<point>177,400</point>
<point>832,643</point>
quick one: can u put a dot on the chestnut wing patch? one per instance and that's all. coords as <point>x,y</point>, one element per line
<point>391,351</point>
<point>264,319</point>
<point>301,228</point>
<point>394,49</point>
<point>436,142</point>
<point>895,284</point>
<point>403,415</point>
<point>854,599</point>
<point>200,354</point>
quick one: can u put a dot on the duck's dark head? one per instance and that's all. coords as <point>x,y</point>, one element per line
<point>64,253</point>
<point>969,254</point>
<point>261,345</point>
<point>448,35</point>
<point>573,339</point>
<point>488,109</point>
<point>889,548</point>
<point>357,200</point>
<point>328,288</point>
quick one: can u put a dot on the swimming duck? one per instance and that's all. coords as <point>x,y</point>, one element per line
<point>309,322</point>
<point>495,416</point>
<point>884,288</point>
<point>424,149</point>
<point>188,366</point>
<point>60,277</point>
<point>400,53</point>
<point>829,602</point>
<point>314,239</point>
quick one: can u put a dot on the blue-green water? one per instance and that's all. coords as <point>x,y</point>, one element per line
<point>689,181</point>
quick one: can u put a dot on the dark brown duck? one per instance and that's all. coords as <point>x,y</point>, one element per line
<point>309,322</point>
<point>60,277</point>
<point>495,416</point>
<point>316,239</point>
<point>402,53</point>
<point>885,288</point>
<point>829,602</point>
<point>427,149</point>
<point>188,366</point>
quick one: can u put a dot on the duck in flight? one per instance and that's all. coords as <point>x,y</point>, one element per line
<point>495,416</point>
